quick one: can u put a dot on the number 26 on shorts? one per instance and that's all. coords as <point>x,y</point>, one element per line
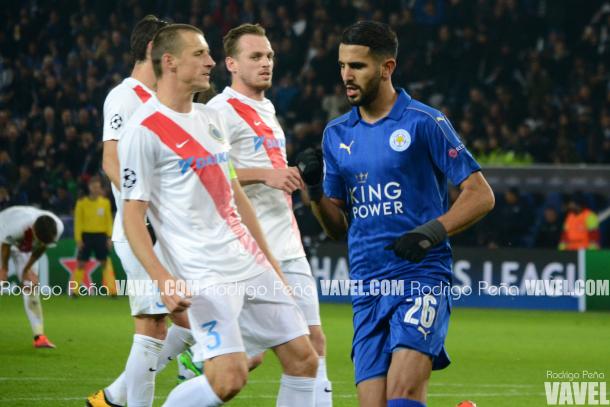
<point>427,305</point>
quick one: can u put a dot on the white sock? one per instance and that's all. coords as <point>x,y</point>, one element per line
<point>196,392</point>
<point>324,388</point>
<point>177,341</point>
<point>116,393</point>
<point>296,392</point>
<point>141,369</point>
<point>33,309</point>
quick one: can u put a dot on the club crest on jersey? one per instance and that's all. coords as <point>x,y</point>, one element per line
<point>215,133</point>
<point>400,140</point>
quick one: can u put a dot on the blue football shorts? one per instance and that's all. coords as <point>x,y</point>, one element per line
<point>415,321</point>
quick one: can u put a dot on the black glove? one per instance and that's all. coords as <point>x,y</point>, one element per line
<point>311,166</point>
<point>414,245</point>
<point>310,163</point>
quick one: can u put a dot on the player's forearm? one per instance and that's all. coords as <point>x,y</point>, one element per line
<point>331,218</point>
<point>474,202</point>
<point>36,254</point>
<point>6,252</point>
<point>110,163</point>
<point>139,239</point>
<point>249,176</point>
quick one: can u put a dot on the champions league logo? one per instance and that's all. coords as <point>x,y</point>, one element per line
<point>116,122</point>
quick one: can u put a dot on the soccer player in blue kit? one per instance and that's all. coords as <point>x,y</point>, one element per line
<point>383,181</point>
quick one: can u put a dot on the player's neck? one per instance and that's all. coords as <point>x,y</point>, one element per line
<point>381,106</point>
<point>144,73</point>
<point>247,91</point>
<point>176,97</point>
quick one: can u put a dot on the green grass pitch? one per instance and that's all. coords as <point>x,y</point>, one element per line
<point>500,358</point>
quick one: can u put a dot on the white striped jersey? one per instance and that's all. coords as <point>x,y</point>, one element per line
<point>257,141</point>
<point>179,163</point>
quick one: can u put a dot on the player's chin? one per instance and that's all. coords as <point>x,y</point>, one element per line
<point>264,84</point>
<point>201,87</point>
<point>354,100</point>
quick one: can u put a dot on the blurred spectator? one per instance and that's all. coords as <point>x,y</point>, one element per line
<point>512,220</point>
<point>62,202</point>
<point>548,230</point>
<point>581,227</point>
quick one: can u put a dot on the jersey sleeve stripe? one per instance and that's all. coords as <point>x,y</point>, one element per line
<point>211,176</point>
<point>142,93</point>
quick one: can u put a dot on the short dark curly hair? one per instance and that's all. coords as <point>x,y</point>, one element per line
<point>379,37</point>
<point>45,229</point>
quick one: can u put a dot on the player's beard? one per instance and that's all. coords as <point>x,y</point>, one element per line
<point>257,85</point>
<point>367,94</point>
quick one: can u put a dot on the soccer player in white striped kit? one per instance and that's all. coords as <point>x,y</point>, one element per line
<point>258,151</point>
<point>154,346</point>
<point>175,165</point>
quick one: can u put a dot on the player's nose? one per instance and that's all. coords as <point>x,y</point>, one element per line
<point>209,61</point>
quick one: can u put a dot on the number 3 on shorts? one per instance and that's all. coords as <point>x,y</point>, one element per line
<point>428,312</point>
<point>211,333</point>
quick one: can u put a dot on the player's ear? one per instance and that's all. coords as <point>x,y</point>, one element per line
<point>231,63</point>
<point>169,61</point>
<point>387,68</point>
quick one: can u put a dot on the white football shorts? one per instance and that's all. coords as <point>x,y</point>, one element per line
<point>147,302</point>
<point>248,316</point>
<point>304,289</point>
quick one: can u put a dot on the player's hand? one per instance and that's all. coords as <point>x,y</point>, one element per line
<point>109,244</point>
<point>79,245</point>
<point>411,246</point>
<point>29,277</point>
<point>414,245</point>
<point>310,163</point>
<point>3,274</point>
<point>174,299</point>
<point>286,179</point>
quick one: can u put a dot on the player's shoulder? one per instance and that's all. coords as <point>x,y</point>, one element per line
<point>142,112</point>
<point>417,110</point>
<point>211,113</point>
<point>337,124</point>
<point>122,93</point>
<point>219,102</point>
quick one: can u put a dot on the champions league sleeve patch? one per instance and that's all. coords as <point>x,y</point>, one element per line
<point>129,178</point>
<point>116,122</point>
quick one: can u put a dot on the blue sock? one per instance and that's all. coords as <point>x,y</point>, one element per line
<point>404,403</point>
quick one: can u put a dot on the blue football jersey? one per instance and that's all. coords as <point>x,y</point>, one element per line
<point>392,176</point>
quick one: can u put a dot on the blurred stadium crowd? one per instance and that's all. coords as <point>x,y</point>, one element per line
<point>522,81</point>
